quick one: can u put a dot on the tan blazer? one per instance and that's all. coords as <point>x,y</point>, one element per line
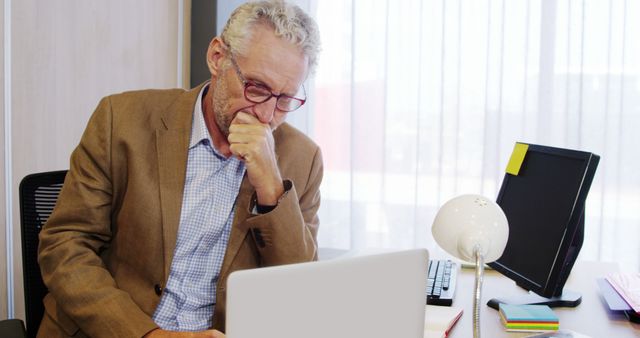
<point>106,251</point>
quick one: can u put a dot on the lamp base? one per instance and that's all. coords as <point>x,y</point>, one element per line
<point>567,299</point>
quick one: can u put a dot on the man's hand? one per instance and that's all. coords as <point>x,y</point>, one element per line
<point>252,141</point>
<point>160,333</point>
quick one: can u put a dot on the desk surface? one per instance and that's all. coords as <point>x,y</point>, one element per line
<point>590,318</point>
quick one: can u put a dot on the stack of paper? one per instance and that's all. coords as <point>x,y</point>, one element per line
<point>528,317</point>
<point>628,287</point>
<point>439,320</point>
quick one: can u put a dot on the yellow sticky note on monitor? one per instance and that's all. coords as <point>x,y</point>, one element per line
<point>515,162</point>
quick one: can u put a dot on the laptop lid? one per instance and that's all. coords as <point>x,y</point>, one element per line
<point>372,296</point>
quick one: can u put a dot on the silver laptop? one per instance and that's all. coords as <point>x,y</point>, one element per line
<point>375,296</point>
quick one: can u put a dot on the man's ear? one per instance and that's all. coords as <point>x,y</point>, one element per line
<point>215,54</point>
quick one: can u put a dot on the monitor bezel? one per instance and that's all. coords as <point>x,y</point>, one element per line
<point>570,243</point>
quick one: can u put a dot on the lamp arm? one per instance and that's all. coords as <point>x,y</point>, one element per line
<point>478,292</point>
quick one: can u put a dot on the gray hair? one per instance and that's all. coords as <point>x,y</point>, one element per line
<point>289,21</point>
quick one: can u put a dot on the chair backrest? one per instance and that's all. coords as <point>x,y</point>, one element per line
<point>38,195</point>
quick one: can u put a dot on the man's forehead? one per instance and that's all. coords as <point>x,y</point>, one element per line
<point>275,62</point>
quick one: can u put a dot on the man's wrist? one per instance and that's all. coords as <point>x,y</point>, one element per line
<point>271,197</point>
<point>260,208</point>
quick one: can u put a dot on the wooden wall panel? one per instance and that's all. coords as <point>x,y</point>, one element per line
<point>3,254</point>
<point>66,56</point>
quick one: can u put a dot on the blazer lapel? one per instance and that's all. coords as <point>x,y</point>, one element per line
<point>172,143</point>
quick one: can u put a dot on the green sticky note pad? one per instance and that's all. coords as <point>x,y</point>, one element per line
<point>515,162</point>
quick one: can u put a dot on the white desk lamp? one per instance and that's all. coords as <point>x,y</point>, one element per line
<point>472,228</point>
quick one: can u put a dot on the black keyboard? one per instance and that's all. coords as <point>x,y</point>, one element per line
<point>441,282</point>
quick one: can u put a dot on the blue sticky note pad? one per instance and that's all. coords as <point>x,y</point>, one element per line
<point>529,313</point>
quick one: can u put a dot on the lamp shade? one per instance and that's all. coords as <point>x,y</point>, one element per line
<point>471,221</point>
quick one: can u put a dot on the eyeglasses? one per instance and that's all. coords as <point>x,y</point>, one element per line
<point>257,93</point>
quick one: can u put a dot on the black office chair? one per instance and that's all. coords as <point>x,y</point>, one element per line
<point>12,328</point>
<point>38,195</point>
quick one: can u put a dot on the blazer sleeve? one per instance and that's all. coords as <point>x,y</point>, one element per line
<point>288,233</point>
<point>78,231</point>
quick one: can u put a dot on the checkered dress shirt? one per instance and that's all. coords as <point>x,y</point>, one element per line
<point>211,187</point>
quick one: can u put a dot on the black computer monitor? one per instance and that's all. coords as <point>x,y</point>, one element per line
<point>544,204</point>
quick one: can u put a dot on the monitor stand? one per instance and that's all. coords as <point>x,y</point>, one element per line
<point>567,299</point>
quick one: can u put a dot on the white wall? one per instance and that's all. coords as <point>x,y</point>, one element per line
<point>66,55</point>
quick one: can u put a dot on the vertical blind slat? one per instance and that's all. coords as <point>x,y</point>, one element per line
<point>416,221</point>
<point>456,146</point>
<point>352,222</point>
<point>607,92</point>
<point>568,75</point>
<point>385,110</point>
<point>441,143</point>
<point>486,99</point>
<point>499,112</point>
<point>581,88</point>
<point>525,81</point>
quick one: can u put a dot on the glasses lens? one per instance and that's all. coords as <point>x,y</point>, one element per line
<point>257,94</point>
<point>287,103</point>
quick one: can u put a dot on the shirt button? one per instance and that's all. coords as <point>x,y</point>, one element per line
<point>158,289</point>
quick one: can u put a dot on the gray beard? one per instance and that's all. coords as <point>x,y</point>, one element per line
<point>220,105</point>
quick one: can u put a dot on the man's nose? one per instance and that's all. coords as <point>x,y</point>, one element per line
<point>264,111</point>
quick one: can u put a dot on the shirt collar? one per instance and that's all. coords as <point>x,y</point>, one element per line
<point>199,129</point>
